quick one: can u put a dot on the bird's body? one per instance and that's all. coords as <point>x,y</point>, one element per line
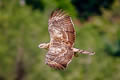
<point>62,38</point>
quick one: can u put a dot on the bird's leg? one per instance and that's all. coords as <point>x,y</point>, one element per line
<point>44,45</point>
<point>82,51</point>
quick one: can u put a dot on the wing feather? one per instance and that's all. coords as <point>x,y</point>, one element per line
<point>61,27</point>
<point>62,37</point>
<point>59,59</point>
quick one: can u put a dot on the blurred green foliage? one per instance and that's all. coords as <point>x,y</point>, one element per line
<point>23,27</point>
<point>88,8</point>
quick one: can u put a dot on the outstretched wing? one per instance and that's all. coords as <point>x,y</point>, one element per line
<point>59,57</point>
<point>61,28</point>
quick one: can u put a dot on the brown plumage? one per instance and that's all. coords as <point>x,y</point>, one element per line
<point>62,35</point>
<point>62,38</point>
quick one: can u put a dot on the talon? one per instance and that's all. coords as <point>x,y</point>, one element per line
<point>92,53</point>
<point>76,55</point>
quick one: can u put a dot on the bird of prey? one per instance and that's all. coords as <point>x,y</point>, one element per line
<point>62,38</point>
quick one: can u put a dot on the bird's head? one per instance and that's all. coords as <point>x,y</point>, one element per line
<point>43,45</point>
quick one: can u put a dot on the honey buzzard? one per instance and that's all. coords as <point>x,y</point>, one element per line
<point>62,38</point>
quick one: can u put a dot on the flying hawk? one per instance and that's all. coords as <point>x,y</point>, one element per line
<point>62,38</point>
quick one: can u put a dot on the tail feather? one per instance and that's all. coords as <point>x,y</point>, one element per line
<point>55,65</point>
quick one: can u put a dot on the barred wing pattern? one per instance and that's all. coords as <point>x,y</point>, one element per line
<point>62,37</point>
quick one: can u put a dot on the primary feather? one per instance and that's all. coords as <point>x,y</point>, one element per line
<point>62,38</point>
